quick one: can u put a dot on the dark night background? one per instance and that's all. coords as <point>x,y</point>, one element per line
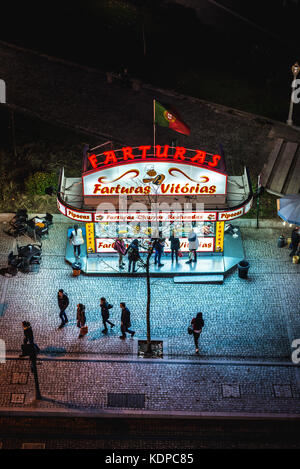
<point>240,57</point>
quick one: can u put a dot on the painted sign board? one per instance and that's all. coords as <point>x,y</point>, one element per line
<point>152,216</point>
<point>206,244</point>
<point>161,178</point>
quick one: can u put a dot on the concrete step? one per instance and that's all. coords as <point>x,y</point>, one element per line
<point>211,278</point>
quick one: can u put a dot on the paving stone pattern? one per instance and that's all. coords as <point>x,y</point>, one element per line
<point>243,318</point>
<point>247,320</point>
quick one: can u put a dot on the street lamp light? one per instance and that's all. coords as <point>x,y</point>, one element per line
<point>295,70</point>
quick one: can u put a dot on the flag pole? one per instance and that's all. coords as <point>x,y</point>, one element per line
<point>154,127</point>
<point>257,200</point>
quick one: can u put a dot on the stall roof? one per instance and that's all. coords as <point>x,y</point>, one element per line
<point>281,174</point>
<point>238,193</point>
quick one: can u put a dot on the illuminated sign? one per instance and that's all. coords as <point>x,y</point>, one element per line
<point>152,216</point>
<point>248,206</point>
<point>61,207</point>
<point>149,216</point>
<point>231,214</point>
<point>79,216</point>
<point>143,152</point>
<point>154,179</point>
<point>219,236</point>
<point>90,238</point>
<point>106,245</point>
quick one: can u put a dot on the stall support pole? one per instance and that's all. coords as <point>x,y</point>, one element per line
<point>257,201</point>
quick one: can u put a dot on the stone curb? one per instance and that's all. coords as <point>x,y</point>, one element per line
<point>243,223</point>
<point>130,414</point>
<point>165,361</point>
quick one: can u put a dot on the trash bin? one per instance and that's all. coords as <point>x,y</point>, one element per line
<point>281,241</point>
<point>243,268</point>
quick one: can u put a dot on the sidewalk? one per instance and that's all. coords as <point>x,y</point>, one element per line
<point>244,364</point>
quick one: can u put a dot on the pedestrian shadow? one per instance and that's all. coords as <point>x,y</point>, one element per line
<point>98,334</point>
<point>93,317</point>
<point>53,351</point>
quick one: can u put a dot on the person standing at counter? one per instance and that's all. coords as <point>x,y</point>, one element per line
<point>121,249</point>
<point>193,246</point>
<point>175,246</point>
<point>159,248</point>
<point>77,240</point>
<point>133,255</point>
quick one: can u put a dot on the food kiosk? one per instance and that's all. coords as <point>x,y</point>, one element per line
<point>144,192</point>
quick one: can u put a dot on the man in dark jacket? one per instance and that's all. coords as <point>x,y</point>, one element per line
<point>105,307</point>
<point>125,321</point>
<point>175,246</point>
<point>158,246</point>
<point>63,303</point>
<point>133,254</point>
<point>295,241</point>
<point>28,338</point>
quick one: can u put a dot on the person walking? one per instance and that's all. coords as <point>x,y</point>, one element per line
<point>28,337</point>
<point>133,255</point>
<point>77,240</point>
<point>125,321</point>
<point>197,324</point>
<point>105,307</point>
<point>63,303</point>
<point>159,248</point>
<point>175,246</point>
<point>121,249</point>
<point>295,241</point>
<point>193,246</point>
<point>81,320</point>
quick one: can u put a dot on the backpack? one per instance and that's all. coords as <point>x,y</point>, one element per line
<point>133,254</point>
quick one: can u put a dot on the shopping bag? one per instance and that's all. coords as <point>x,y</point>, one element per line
<point>179,254</point>
<point>83,330</point>
<point>295,259</point>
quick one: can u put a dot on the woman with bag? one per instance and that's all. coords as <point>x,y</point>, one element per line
<point>77,240</point>
<point>81,320</point>
<point>197,324</point>
<point>121,249</point>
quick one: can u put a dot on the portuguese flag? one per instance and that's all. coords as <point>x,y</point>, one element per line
<point>169,118</point>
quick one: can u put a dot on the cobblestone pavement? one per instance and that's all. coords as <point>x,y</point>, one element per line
<point>245,352</point>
